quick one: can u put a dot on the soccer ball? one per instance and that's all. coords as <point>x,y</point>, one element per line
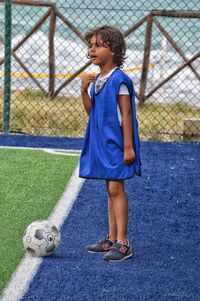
<point>41,238</point>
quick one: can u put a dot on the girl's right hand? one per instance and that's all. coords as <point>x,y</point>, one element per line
<point>86,81</point>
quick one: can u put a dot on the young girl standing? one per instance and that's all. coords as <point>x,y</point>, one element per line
<point>111,144</point>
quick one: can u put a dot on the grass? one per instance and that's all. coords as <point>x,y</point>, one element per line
<point>164,121</point>
<point>31,184</point>
<point>33,113</point>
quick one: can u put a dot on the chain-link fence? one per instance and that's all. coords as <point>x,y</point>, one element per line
<point>49,59</point>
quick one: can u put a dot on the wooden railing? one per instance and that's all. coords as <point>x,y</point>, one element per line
<point>151,20</point>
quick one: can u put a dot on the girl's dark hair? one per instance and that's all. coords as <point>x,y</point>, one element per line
<point>110,37</point>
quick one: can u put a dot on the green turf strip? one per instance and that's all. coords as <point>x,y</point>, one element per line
<point>31,182</point>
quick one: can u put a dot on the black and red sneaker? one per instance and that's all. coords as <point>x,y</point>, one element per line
<point>103,245</point>
<point>119,251</point>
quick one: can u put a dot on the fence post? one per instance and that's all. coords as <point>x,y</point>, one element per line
<point>52,52</point>
<point>147,49</point>
<point>7,66</point>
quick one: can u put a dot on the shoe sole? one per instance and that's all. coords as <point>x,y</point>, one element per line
<point>118,260</point>
<point>96,251</point>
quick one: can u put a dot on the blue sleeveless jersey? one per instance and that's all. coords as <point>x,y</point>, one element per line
<point>102,155</point>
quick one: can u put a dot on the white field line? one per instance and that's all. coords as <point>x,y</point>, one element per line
<point>61,153</point>
<point>48,150</point>
<point>28,267</point>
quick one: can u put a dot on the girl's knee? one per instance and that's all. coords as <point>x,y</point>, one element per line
<point>115,188</point>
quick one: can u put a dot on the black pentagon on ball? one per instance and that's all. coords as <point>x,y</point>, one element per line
<point>31,251</point>
<point>39,234</point>
<point>50,248</point>
<point>55,230</point>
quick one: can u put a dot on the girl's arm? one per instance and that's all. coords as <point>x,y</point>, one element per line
<point>126,112</point>
<point>84,92</point>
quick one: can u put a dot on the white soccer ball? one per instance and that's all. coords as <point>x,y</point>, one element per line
<point>41,238</point>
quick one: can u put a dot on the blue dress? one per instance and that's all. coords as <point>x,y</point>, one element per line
<point>102,155</point>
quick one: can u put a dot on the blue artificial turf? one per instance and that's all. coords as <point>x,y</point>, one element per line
<point>164,226</point>
<point>40,141</point>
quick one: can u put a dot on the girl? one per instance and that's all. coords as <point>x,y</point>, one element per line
<point>111,144</point>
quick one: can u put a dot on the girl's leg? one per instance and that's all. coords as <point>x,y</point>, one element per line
<point>120,205</point>
<point>111,218</point>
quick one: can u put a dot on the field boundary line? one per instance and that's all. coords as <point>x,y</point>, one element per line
<point>41,149</point>
<point>27,269</point>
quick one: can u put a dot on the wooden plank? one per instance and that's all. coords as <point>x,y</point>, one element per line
<point>26,69</point>
<point>134,27</point>
<point>33,30</point>
<point>171,41</point>
<point>52,66</point>
<point>147,49</point>
<point>71,26</point>
<point>173,74</point>
<point>29,73</point>
<point>71,78</point>
<point>31,3</point>
<point>175,13</point>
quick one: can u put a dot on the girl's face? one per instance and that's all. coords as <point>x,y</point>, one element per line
<point>100,53</point>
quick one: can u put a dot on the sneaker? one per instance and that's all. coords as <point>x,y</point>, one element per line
<point>103,245</point>
<point>119,251</point>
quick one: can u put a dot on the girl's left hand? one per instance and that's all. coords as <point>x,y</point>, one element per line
<point>129,155</point>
